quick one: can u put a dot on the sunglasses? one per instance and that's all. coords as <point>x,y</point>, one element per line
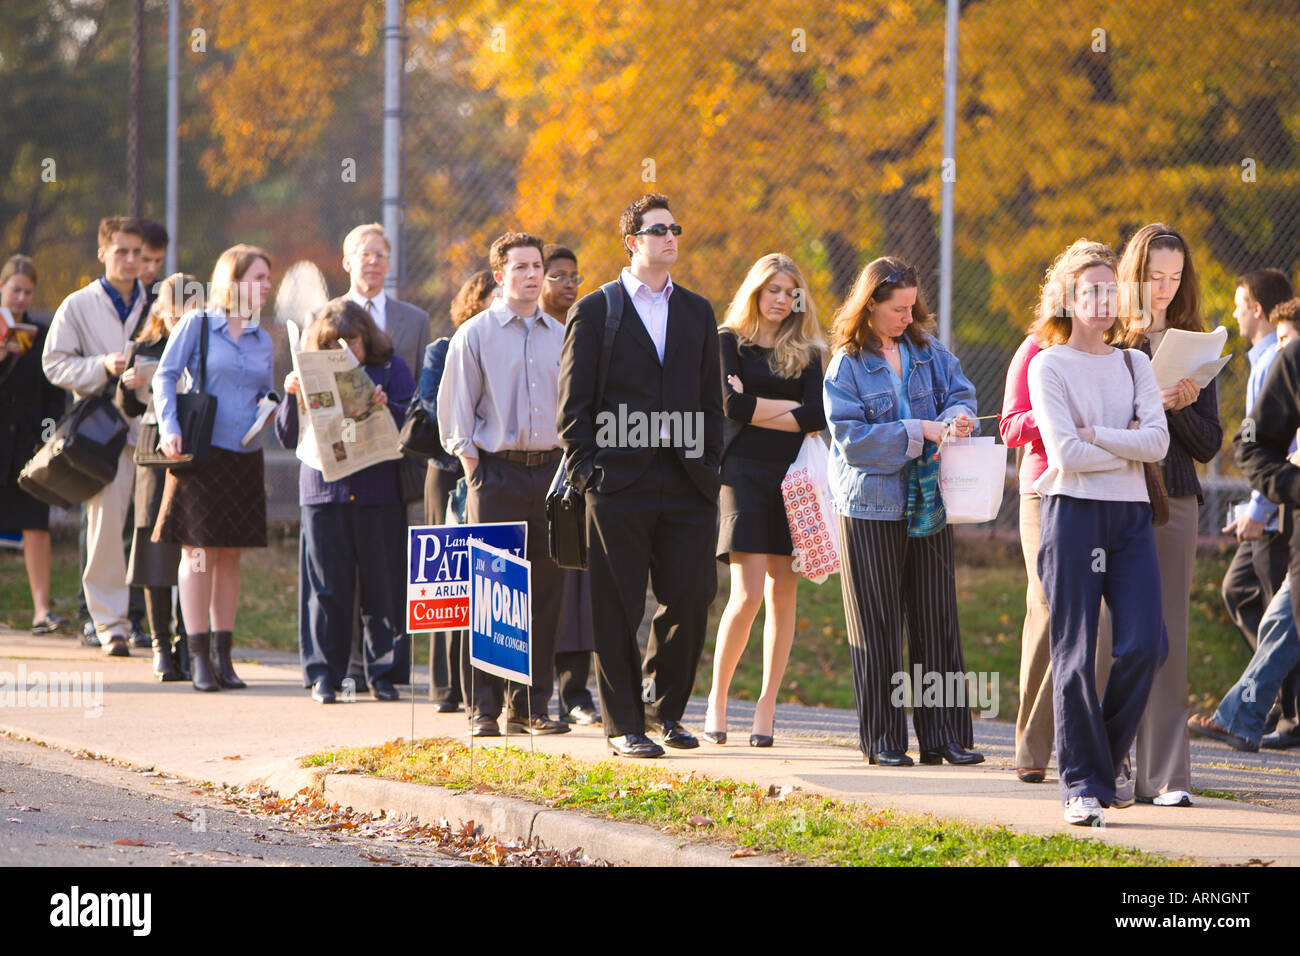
<point>659,230</point>
<point>897,277</point>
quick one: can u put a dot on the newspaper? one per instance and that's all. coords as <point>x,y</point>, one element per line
<point>342,427</point>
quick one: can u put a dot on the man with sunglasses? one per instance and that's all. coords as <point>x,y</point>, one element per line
<point>651,504</point>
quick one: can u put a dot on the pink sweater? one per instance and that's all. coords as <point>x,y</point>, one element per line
<point>1017,425</point>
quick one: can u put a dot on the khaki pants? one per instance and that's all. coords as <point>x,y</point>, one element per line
<point>1034,724</point>
<point>103,579</point>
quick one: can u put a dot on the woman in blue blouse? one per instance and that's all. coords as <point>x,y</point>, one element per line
<point>353,529</point>
<point>216,510</point>
<point>891,391</point>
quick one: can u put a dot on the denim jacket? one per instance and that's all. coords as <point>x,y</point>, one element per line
<point>870,445</point>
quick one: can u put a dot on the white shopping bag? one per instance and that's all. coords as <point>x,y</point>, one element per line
<point>806,491</point>
<point>972,477</point>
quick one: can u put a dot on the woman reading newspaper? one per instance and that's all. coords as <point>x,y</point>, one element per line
<point>352,529</point>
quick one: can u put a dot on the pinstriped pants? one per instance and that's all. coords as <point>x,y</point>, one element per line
<point>888,579</point>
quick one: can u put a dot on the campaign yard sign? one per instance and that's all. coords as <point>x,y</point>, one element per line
<point>500,613</point>
<point>437,570</point>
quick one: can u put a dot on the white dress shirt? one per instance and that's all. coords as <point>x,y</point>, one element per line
<point>652,307</point>
<point>379,310</point>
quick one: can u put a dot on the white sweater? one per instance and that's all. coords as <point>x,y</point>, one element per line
<point>85,329</point>
<point>1070,390</point>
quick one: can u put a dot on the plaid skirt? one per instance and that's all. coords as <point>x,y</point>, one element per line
<point>221,505</point>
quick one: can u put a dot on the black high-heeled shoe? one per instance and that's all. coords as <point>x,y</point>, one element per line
<point>718,737</point>
<point>763,740</point>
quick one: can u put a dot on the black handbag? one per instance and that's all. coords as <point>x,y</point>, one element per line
<point>81,457</point>
<point>196,412</point>
<point>412,466</point>
<point>566,508</point>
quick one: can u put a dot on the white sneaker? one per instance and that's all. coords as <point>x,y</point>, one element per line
<point>1173,798</point>
<point>1123,787</point>
<point>1085,812</point>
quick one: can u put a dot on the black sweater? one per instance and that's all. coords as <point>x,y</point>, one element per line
<point>749,363</point>
<point>1195,434</point>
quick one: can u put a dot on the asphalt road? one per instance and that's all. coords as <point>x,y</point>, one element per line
<point>57,810</point>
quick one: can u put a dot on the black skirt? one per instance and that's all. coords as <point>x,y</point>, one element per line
<point>750,507</point>
<point>221,505</point>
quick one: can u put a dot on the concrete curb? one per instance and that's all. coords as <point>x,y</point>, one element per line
<point>509,818</point>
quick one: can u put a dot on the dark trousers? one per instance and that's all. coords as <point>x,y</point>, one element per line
<point>1253,577</point>
<point>573,656</point>
<point>445,652</point>
<point>339,546</point>
<point>137,612</point>
<point>889,579</point>
<point>1090,550</point>
<point>501,490</point>
<point>663,528</point>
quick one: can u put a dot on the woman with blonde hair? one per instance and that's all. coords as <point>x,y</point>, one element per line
<point>772,352</point>
<point>1098,413</point>
<point>892,393</point>
<point>154,567</point>
<point>216,510</point>
<point>1159,291</point>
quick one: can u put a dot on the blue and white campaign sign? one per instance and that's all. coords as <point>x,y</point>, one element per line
<point>437,570</point>
<point>500,613</point>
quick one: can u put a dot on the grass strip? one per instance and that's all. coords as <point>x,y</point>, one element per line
<point>800,827</point>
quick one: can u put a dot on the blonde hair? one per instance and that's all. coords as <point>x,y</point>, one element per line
<point>878,280</point>
<point>177,294</point>
<point>353,240</point>
<point>1052,322</point>
<point>799,339</point>
<point>230,268</point>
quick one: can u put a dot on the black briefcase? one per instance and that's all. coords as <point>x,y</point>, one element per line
<point>81,456</point>
<point>566,510</point>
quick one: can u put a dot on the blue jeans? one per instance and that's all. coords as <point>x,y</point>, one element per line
<point>1246,705</point>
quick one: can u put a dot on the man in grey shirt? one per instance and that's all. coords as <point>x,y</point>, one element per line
<point>497,413</point>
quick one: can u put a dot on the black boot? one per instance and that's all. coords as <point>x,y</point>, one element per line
<point>164,667</point>
<point>203,677</point>
<point>226,676</point>
<point>181,655</point>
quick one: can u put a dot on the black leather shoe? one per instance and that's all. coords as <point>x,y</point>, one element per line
<point>760,740</point>
<point>673,733</point>
<point>718,737</point>
<point>539,725</point>
<point>635,745</point>
<point>953,754</point>
<point>582,716</point>
<point>890,758</point>
<point>484,727</point>
<point>446,707</point>
<point>116,646</point>
<point>384,690</point>
<point>321,692</point>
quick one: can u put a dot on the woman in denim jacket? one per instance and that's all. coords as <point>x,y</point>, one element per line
<point>891,391</point>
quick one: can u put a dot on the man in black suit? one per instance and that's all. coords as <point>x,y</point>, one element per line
<point>647,460</point>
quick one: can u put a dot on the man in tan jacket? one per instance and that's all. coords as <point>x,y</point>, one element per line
<point>84,353</point>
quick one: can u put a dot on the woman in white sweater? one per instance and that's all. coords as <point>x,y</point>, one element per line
<point>1100,416</point>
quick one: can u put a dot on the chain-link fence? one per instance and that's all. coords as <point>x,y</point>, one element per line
<point>815,129</point>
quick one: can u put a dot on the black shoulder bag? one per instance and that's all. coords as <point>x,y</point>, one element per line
<point>196,412</point>
<point>410,470</point>
<point>566,509</point>
<point>81,456</point>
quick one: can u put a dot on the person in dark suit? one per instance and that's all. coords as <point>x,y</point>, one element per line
<point>647,461</point>
<point>366,256</point>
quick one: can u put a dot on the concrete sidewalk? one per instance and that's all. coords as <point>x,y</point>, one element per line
<point>257,737</point>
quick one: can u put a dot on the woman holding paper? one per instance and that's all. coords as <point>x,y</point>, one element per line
<point>772,350</point>
<point>29,405</point>
<point>154,567</point>
<point>1158,292</point>
<point>352,529</point>
<point>215,511</point>
<point>891,393</point>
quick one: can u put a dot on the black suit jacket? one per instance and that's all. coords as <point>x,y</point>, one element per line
<point>688,382</point>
